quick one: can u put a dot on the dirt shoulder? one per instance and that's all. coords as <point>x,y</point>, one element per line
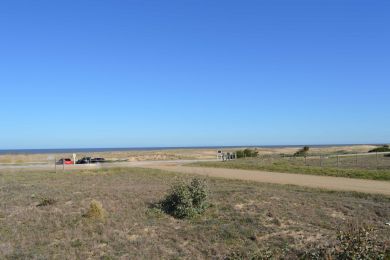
<point>323,182</point>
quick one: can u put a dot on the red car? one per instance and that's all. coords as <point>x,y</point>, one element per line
<point>64,161</point>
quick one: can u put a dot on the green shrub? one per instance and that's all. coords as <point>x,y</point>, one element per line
<point>186,200</point>
<point>198,190</point>
<point>303,151</point>
<point>381,149</point>
<point>246,153</point>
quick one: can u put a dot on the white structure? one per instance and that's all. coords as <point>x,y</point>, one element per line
<point>226,156</point>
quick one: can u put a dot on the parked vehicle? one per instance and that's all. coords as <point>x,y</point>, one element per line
<point>84,160</point>
<point>87,160</point>
<point>98,160</point>
<point>64,161</point>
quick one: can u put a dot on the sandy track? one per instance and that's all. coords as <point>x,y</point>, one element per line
<point>313,181</point>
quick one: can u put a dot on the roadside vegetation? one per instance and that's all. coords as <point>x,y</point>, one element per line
<point>302,152</point>
<point>381,149</point>
<point>246,153</point>
<point>296,166</point>
<point>112,214</point>
<point>374,167</point>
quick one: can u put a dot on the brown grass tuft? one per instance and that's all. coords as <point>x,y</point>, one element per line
<point>95,211</point>
<point>46,202</point>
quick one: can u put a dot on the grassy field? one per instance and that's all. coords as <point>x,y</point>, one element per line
<point>297,165</point>
<point>41,217</point>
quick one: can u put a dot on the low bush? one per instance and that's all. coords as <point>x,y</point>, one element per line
<point>381,149</point>
<point>247,153</point>
<point>303,151</point>
<point>354,242</point>
<point>360,242</point>
<point>186,200</point>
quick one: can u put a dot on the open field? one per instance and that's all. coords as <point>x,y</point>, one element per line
<point>363,167</point>
<point>245,218</point>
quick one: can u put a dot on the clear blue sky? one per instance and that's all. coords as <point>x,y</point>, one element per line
<point>192,73</point>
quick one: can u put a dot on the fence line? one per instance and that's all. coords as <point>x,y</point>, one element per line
<point>356,154</point>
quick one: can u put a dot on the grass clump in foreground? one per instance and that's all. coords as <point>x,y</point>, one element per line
<point>46,202</point>
<point>186,200</point>
<point>95,211</point>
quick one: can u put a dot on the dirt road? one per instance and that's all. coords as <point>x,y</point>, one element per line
<point>313,181</point>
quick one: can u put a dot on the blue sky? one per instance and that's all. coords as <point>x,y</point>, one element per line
<point>193,73</point>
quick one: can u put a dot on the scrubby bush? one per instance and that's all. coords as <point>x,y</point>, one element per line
<point>381,149</point>
<point>186,200</point>
<point>358,242</point>
<point>303,151</point>
<point>198,192</point>
<point>354,242</point>
<point>247,153</point>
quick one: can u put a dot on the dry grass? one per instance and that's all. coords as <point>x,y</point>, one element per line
<point>243,217</point>
<point>96,211</point>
